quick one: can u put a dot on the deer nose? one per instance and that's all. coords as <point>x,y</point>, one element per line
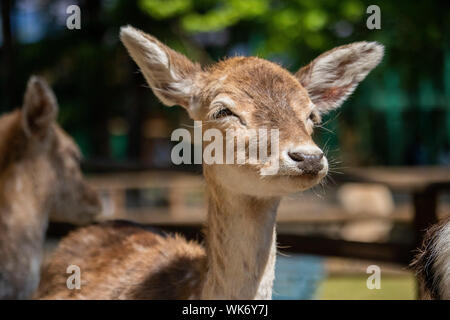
<point>309,163</point>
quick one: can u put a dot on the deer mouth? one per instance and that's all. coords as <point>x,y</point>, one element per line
<point>310,174</point>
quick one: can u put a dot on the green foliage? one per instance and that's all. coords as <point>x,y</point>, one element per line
<point>352,10</point>
<point>163,9</point>
<point>225,14</point>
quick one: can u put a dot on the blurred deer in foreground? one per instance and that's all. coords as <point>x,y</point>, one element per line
<point>432,263</point>
<point>40,178</point>
<point>125,261</point>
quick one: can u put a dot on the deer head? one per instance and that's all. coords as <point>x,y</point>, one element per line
<point>36,146</point>
<point>244,93</point>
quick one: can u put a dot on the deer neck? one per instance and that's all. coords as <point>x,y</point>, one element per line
<point>24,206</point>
<point>240,245</point>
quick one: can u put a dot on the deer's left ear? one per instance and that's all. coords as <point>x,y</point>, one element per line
<point>40,109</point>
<point>334,75</point>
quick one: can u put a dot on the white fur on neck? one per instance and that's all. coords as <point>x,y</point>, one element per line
<point>441,266</point>
<point>241,247</point>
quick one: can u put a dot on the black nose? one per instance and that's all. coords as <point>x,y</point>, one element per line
<point>309,163</point>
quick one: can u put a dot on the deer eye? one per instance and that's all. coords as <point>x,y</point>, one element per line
<point>314,118</point>
<point>222,113</point>
<point>225,112</point>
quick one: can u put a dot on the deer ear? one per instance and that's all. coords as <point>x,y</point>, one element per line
<point>334,75</point>
<point>40,109</point>
<point>169,73</point>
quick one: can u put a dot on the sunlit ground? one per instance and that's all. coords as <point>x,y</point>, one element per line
<point>400,287</point>
<point>309,277</point>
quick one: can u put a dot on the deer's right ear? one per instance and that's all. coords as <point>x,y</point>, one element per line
<point>335,74</point>
<point>39,109</point>
<point>170,74</point>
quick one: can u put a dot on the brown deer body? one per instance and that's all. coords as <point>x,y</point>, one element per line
<point>237,262</point>
<point>39,178</point>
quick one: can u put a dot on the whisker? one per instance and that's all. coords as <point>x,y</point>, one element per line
<point>326,129</point>
<point>337,114</point>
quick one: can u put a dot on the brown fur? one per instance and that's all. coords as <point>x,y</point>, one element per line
<point>426,260</point>
<point>120,260</point>
<point>239,256</point>
<point>39,177</point>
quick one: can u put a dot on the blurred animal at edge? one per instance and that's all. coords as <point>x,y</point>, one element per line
<point>432,262</point>
<point>40,179</point>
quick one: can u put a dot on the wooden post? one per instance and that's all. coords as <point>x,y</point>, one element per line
<point>425,212</point>
<point>425,215</point>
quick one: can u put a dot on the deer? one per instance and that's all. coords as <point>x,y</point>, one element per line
<point>432,262</point>
<point>40,179</point>
<point>122,260</point>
